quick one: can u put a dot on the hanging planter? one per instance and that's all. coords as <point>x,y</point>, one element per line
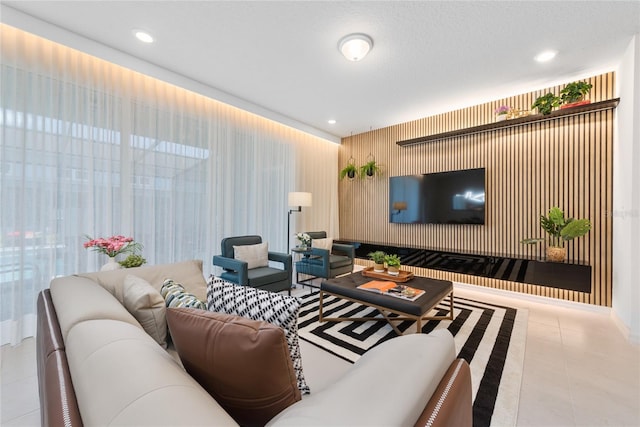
<point>350,171</point>
<point>371,168</point>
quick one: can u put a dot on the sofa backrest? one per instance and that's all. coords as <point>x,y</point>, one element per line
<point>227,244</point>
<point>187,273</point>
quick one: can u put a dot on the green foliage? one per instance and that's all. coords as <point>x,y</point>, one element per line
<point>392,260</point>
<point>574,92</point>
<point>350,170</point>
<point>546,103</point>
<point>377,257</point>
<point>369,169</point>
<point>133,260</point>
<point>559,228</point>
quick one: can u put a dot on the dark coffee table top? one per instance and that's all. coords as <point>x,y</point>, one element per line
<point>435,291</point>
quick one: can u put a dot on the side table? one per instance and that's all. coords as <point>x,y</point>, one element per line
<point>297,253</point>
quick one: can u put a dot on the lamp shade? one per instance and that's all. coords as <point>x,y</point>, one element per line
<point>400,206</point>
<point>299,199</point>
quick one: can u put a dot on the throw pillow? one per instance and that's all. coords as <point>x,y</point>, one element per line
<point>175,296</point>
<point>256,304</point>
<point>322,243</point>
<point>147,306</point>
<point>243,364</point>
<point>254,255</point>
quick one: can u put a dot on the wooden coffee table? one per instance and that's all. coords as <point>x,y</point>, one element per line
<point>346,287</point>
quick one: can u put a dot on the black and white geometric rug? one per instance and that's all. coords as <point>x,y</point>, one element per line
<point>491,338</point>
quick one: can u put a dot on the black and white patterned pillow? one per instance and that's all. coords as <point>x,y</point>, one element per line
<point>256,304</point>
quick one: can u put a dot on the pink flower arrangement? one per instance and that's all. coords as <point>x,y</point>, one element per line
<point>503,109</point>
<point>112,246</point>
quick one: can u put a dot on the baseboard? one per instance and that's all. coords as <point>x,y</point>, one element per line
<point>534,298</point>
<point>633,339</point>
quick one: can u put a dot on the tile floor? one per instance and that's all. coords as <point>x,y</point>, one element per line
<point>578,370</point>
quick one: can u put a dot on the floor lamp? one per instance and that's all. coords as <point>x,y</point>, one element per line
<point>296,199</point>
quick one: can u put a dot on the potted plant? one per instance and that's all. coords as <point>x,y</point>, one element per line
<point>573,94</point>
<point>560,230</point>
<point>350,171</point>
<point>546,103</point>
<point>369,169</point>
<point>502,112</point>
<point>378,261</point>
<point>393,264</point>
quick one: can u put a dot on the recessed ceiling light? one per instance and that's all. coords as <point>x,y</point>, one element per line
<point>143,36</point>
<point>545,56</point>
<point>355,46</point>
<point>331,122</point>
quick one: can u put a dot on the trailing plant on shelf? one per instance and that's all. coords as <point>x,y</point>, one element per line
<point>378,260</point>
<point>560,230</point>
<point>574,92</point>
<point>546,103</point>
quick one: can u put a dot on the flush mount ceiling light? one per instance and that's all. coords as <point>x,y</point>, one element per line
<point>545,56</point>
<point>355,46</point>
<point>143,36</point>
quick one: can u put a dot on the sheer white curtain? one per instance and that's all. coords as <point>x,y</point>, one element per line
<point>91,148</point>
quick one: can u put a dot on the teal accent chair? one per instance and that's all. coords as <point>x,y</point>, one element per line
<point>324,263</point>
<point>266,278</point>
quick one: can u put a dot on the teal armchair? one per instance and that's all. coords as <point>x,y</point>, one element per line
<point>324,263</point>
<point>267,278</point>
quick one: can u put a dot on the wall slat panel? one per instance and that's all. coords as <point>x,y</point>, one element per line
<point>565,162</point>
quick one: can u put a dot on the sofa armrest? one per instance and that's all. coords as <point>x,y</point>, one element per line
<point>285,259</point>
<point>344,249</point>
<point>389,385</point>
<point>451,404</point>
<point>240,267</point>
<point>58,404</point>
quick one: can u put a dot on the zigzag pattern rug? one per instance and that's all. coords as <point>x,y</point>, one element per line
<point>491,338</point>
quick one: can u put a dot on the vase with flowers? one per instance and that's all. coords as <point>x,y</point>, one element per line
<point>112,247</point>
<point>304,240</point>
<point>502,112</point>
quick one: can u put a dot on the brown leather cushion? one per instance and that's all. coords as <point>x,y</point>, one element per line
<point>244,364</point>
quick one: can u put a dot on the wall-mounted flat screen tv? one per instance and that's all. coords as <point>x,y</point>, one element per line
<point>455,197</point>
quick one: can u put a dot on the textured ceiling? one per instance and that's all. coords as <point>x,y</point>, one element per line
<point>428,57</point>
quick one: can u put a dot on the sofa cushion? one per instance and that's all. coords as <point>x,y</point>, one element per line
<point>123,377</point>
<point>147,306</point>
<point>78,299</point>
<point>244,364</point>
<point>257,304</point>
<point>188,273</point>
<point>175,296</point>
<point>335,261</point>
<point>254,255</point>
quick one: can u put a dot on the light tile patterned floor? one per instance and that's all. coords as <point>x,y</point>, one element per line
<point>578,370</point>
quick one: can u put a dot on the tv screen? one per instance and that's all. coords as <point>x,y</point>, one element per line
<point>456,197</point>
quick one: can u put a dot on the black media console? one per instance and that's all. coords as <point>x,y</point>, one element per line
<point>573,277</point>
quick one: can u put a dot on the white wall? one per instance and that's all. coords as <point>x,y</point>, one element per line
<point>626,196</point>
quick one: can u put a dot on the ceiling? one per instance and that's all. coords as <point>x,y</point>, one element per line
<point>428,56</point>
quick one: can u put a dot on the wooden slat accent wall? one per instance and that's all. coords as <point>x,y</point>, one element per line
<point>565,162</point>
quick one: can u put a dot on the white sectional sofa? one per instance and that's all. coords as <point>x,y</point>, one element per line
<point>97,365</point>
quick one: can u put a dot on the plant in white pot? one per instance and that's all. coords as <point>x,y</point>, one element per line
<point>560,230</point>
<point>378,260</point>
<point>393,264</point>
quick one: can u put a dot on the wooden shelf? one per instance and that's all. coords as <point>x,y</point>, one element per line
<point>567,112</point>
